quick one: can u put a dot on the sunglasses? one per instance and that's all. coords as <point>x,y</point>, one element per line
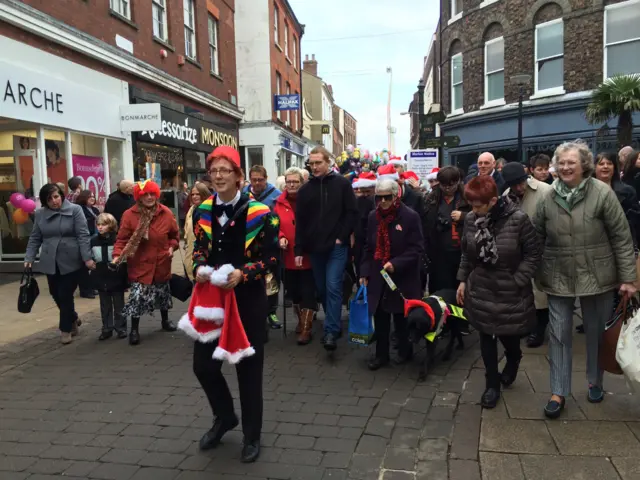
<point>386,198</point>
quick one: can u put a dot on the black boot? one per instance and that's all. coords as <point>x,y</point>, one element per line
<point>490,397</point>
<point>536,339</point>
<point>167,325</point>
<point>250,452</point>
<point>510,371</point>
<point>134,335</point>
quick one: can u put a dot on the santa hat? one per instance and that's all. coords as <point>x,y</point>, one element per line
<point>213,314</point>
<point>365,180</point>
<point>148,186</point>
<point>433,174</point>
<point>387,172</point>
<point>226,152</point>
<point>395,160</point>
<point>409,175</point>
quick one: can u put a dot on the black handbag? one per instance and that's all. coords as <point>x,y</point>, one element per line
<point>181,287</point>
<point>29,291</point>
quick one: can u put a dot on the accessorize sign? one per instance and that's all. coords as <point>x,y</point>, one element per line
<point>180,130</point>
<point>42,88</point>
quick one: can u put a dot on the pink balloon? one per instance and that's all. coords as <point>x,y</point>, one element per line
<point>16,198</point>
<point>28,205</point>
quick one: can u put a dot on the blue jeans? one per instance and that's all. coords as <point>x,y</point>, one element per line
<point>328,271</point>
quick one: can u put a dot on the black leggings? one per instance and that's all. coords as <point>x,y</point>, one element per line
<point>302,288</point>
<point>489,351</point>
<point>382,321</point>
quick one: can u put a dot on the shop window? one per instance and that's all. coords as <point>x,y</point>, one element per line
<point>494,71</point>
<point>213,45</point>
<point>115,150</point>
<point>159,13</point>
<point>278,90</point>
<point>254,157</point>
<point>189,29</point>
<point>622,39</point>
<point>121,7</point>
<point>88,164</point>
<point>549,55</point>
<point>456,83</point>
<point>163,165</point>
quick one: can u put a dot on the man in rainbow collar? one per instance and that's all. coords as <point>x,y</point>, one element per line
<point>234,229</point>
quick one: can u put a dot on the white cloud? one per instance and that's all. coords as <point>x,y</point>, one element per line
<point>356,67</point>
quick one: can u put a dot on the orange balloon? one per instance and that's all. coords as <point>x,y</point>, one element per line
<point>20,216</point>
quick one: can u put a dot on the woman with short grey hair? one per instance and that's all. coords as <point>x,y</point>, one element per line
<point>588,253</point>
<point>295,171</point>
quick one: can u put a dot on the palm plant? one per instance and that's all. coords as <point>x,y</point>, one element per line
<point>617,96</point>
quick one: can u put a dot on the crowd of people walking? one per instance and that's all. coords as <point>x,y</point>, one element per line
<point>517,245</point>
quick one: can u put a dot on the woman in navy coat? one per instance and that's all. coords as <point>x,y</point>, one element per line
<point>394,243</point>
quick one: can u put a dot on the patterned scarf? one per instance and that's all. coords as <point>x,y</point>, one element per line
<point>570,195</point>
<point>383,243</point>
<point>141,231</point>
<point>486,247</point>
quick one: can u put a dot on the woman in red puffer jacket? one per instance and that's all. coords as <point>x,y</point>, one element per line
<point>298,280</point>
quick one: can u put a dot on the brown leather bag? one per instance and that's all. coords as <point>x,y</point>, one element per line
<point>607,352</point>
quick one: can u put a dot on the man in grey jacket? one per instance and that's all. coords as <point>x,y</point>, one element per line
<point>60,228</point>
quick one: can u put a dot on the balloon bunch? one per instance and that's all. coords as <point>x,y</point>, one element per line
<point>24,207</point>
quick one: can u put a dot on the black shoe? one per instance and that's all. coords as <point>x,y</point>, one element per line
<point>250,452</point>
<point>330,342</point>
<point>105,335</point>
<point>274,321</point>
<point>510,372</point>
<point>580,328</point>
<point>535,340</point>
<point>168,326</point>
<point>121,334</point>
<point>89,295</point>
<point>212,438</point>
<point>553,409</point>
<point>134,337</point>
<point>490,398</point>
<point>376,363</point>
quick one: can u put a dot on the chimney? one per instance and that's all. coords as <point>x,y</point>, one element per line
<point>310,66</point>
<point>330,88</point>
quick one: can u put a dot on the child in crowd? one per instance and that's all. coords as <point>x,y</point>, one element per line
<point>108,279</point>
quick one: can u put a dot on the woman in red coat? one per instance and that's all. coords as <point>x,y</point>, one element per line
<point>298,280</point>
<point>147,238</point>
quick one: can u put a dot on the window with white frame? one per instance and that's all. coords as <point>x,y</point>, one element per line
<point>159,13</point>
<point>288,122</point>
<point>456,9</point>
<point>213,45</point>
<point>121,7</point>
<point>294,51</point>
<point>622,38</point>
<point>276,25</point>
<point>456,83</point>
<point>286,39</point>
<point>494,71</point>
<point>278,89</point>
<point>189,29</point>
<point>549,55</point>
<point>295,118</point>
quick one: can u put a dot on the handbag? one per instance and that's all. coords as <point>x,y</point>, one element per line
<point>628,350</point>
<point>361,326</point>
<point>181,287</point>
<point>609,344</point>
<point>29,291</point>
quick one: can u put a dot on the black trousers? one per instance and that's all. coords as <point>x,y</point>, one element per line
<point>489,351</point>
<point>252,306</point>
<point>84,282</point>
<point>301,287</point>
<point>62,288</point>
<point>382,322</point>
<point>111,304</point>
<point>443,270</point>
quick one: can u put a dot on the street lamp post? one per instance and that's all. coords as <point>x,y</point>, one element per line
<point>421,139</point>
<point>521,81</point>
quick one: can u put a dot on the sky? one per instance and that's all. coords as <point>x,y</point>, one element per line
<point>381,34</point>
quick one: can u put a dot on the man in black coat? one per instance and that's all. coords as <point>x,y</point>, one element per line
<point>487,166</point>
<point>120,201</point>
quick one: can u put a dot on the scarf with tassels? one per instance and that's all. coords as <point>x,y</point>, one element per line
<point>141,231</point>
<point>383,243</point>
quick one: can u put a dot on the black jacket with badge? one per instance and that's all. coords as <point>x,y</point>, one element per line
<point>107,277</point>
<point>118,203</point>
<point>326,211</point>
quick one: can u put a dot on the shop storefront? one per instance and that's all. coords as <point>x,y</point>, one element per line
<point>58,119</point>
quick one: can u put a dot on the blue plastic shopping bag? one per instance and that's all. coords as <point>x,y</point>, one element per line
<point>360,322</point>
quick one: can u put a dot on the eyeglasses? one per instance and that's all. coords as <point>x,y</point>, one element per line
<point>225,172</point>
<point>385,198</point>
<point>293,182</point>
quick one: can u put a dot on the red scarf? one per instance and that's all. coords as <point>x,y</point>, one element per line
<point>383,243</point>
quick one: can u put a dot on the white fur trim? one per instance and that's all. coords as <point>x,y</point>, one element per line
<point>206,313</point>
<point>363,183</point>
<point>185,325</point>
<point>389,176</point>
<point>432,176</point>
<point>205,270</point>
<point>232,358</point>
<point>219,276</point>
<point>397,162</point>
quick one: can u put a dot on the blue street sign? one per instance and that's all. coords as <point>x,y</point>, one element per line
<point>287,102</point>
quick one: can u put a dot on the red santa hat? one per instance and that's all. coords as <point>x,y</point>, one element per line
<point>395,160</point>
<point>147,186</point>
<point>213,314</point>
<point>433,174</point>
<point>409,175</point>
<point>365,180</point>
<point>387,172</point>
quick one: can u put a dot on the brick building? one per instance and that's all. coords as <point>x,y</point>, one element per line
<point>567,47</point>
<point>268,39</point>
<point>431,89</point>
<point>69,66</point>
<point>350,129</point>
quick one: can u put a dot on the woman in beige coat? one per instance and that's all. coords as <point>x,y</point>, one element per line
<point>199,193</point>
<point>588,253</point>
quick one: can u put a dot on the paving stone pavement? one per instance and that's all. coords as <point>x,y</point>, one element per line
<point>106,410</point>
